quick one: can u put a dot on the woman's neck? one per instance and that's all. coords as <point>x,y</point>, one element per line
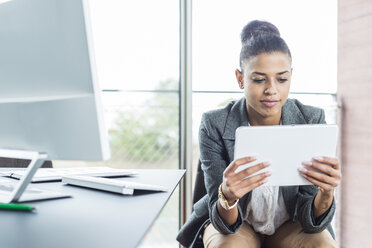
<point>257,120</point>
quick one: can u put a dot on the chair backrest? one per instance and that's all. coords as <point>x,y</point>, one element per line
<point>199,187</point>
<point>20,163</point>
<point>198,193</point>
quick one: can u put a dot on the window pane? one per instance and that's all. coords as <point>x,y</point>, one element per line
<point>137,42</point>
<point>137,55</point>
<point>308,27</point>
<point>143,129</point>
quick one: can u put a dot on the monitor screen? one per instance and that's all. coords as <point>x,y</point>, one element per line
<point>49,94</point>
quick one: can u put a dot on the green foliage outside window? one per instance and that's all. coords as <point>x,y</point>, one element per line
<point>149,133</point>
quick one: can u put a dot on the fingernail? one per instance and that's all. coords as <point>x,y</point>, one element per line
<point>302,170</point>
<point>319,158</point>
<point>267,163</point>
<point>307,163</point>
<point>268,173</point>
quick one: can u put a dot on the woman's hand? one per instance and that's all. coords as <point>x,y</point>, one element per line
<point>327,175</point>
<point>236,185</point>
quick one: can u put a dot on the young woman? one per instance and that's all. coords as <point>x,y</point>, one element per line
<point>236,212</point>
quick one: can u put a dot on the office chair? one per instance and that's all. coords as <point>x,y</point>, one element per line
<point>20,163</point>
<point>199,187</point>
<point>198,192</point>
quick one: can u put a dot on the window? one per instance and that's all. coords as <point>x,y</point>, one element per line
<point>137,55</point>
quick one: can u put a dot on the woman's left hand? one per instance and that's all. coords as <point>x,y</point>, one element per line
<point>327,173</point>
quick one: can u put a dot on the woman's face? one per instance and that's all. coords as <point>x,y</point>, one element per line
<point>265,79</point>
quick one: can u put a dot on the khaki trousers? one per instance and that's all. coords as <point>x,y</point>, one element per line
<point>288,235</point>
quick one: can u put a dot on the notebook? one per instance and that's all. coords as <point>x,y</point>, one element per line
<point>56,174</point>
<point>111,185</point>
<point>286,147</point>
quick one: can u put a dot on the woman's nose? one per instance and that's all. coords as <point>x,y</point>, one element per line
<point>271,88</point>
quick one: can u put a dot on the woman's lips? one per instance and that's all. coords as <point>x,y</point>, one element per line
<point>270,103</point>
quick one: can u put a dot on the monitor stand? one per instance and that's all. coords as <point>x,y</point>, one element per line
<point>37,159</point>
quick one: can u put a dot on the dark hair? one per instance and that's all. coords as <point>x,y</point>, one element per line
<point>261,37</point>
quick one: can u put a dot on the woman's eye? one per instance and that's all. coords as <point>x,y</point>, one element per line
<point>258,80</point>
<point>282,80</point>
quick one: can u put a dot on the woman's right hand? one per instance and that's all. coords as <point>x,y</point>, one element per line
<point>236,185</point>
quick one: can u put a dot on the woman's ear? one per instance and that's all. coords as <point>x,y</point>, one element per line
<point>239,78</point>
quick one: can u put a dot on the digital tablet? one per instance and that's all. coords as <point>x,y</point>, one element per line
<point>286,147</point>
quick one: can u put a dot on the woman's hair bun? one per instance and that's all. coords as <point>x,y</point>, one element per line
<point>257,27</point>
<point>261,37</point>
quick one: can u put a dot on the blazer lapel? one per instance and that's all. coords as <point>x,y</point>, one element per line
<point>291,114</point>
<point>237,117</point>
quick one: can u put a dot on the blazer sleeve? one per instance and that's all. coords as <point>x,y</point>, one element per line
<point>214,159</point>
<point>305,201</point>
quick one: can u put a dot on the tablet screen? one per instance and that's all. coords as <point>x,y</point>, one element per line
<point>286,147</point>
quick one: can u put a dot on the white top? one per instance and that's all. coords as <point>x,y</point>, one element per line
<point>266,210</point>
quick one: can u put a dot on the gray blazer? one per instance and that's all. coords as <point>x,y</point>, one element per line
<point>217,139</point>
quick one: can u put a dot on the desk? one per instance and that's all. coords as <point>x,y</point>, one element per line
<point>92,218</point>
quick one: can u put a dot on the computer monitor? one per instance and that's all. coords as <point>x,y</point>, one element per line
<point>49,95</point>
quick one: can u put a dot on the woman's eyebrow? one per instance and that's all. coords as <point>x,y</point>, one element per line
<point>280,73</point>
<point>264,74</point>
<point>259,73</point>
